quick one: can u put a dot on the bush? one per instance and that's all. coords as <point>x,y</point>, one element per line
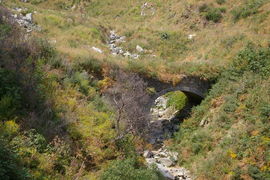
<point>221,1</point>
<point>4,31</point>
<point>214,14</point>
<point>246,10</point>
<point>81,79</point>
<point>254,59</point>
<point>211,13</point>
<point>257,174</point>
<point>10,95</point>
<point>10,166</point>
<point>129,169</point>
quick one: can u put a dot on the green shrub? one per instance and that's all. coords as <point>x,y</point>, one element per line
<point>10,95</point>
<point>35,2</point>
<point>254,59</point>
<point>211,13</point>
<point>90,65</point>
<point>214,14</point>
<point>81,80</point>
<point>164,36</point>
<point>257,174</point>
<point>5,29</point>
<point>10,165</point>
<point>247,9</point>
<point>7,107</point>
<point>129,169</point>
<point>265,110</point>
<point>221,1</point>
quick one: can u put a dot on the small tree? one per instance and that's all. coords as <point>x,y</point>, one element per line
<point>129,97</point>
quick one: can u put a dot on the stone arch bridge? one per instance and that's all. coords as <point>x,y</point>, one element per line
<point>195,88</point>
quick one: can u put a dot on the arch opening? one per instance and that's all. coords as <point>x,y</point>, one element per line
<point>164,125</point>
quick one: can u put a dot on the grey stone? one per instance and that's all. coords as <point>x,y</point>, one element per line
<point>139,49</point>
<point>150,161</point>
<point>166,162</point>
<point>148,154</point>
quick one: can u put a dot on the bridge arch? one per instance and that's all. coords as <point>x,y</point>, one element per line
<point>195,88</point>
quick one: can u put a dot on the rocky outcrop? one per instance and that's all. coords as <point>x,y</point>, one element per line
<point>25,20</point>
<point>161,111</point>
<point>114,42</point>
<point>163,127</point>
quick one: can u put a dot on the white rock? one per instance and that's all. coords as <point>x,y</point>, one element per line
<point>53,41</point>
<point>97,50</point>
<point>150,161</point>
<point>127,54</point>
<point>18,9</point>
<point>139,49</point>
<point>28,17</point>
<point>135,56</point>
<point>148,154</point>
<point>191,36</point>
<point>173,156</point>
<point>15,16</point>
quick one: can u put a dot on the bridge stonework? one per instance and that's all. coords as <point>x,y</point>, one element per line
<point>194,87</point>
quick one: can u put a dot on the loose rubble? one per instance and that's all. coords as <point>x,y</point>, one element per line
<point>114,41</point>
<point>165,161</point>
<point>25,21</point>
<point>162,123</point>
<point>162,127</point>
<point>160,111</point>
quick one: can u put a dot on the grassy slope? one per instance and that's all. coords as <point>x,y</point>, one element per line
<point>77,30</point>
<point>227,136</point>
<point>235,136</point>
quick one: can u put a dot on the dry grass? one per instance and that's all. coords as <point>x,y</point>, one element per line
<point>77,30</point>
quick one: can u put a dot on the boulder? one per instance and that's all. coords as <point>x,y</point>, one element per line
<point>150,161</point>
<point>173,156</point>
<point>166,162</point>
<point>127,54</point>
<point>139,49</point>
<point>28,17</point>
<point>165,172</point>
<point>148,154</point>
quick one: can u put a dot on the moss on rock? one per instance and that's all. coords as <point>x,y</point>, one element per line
<point>178,99</point>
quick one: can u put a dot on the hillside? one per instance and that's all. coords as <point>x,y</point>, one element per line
<point>74,95</point>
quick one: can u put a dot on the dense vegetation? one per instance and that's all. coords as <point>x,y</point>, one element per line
<point>228,135</point>
<point>57,123</point>
<point>54,123</point>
